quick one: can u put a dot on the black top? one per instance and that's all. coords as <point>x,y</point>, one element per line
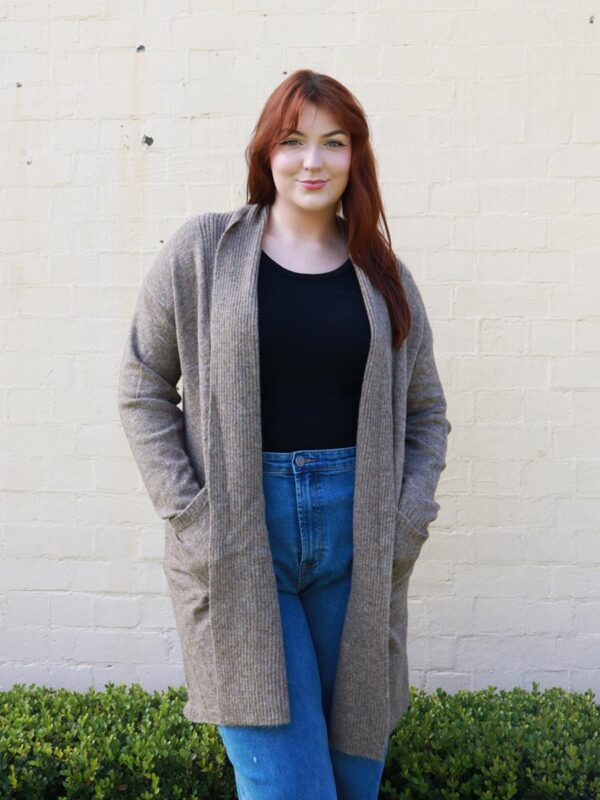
<point>314,338</point>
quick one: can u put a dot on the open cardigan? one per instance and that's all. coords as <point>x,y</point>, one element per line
<point>196,320</point>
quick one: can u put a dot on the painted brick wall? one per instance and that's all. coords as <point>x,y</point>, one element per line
<point>486,124</point>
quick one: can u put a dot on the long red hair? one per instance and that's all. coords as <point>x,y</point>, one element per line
<point>361,202</point>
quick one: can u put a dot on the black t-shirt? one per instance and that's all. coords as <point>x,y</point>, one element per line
<point>314,338</point>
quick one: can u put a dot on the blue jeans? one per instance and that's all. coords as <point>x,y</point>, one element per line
<point>308,504</point>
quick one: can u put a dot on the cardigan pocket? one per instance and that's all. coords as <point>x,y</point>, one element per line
<point>187,540</point>
<point>191,512</point>
<point>408,541</point>
<point>186,565</point>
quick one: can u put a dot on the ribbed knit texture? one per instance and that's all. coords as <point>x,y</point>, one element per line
<point>197,319</point>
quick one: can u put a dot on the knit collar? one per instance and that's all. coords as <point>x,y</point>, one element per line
<point>234,475</point>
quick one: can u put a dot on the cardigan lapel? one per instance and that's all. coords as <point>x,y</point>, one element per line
<point>251,668</point>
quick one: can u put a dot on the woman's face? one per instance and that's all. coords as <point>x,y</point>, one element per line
<point>317,151</point>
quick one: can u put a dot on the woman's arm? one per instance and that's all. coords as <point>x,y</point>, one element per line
<point>427,429</point>
<point>147,395</point>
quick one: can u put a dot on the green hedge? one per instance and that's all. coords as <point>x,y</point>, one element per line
<point>124,742</point>
<point>119,743</point>
<point>494,745</point>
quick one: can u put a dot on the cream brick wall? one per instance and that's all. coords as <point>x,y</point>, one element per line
<point>486,125</point>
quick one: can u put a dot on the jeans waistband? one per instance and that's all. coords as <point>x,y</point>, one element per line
<point>296,460</point>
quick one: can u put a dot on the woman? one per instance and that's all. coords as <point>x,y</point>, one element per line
<point>297,481</point>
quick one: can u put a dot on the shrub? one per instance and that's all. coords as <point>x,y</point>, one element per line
<point>123,742</point>
<point>496,745</point>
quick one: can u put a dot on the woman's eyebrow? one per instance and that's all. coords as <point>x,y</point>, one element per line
<point>331,133</point>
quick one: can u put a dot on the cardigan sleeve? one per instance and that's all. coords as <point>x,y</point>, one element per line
<point>427,430</point>
<point>148,398</point>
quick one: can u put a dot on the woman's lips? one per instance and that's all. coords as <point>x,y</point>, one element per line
<point>313,184</point>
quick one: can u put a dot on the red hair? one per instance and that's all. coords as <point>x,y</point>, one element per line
<point>361,202</point>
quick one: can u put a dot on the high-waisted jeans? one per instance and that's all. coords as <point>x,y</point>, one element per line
<point>308,502</point>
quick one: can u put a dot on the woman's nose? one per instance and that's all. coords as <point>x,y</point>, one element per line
<point>312,156</point>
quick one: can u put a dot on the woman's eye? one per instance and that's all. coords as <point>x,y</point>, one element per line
<point>333,141</point>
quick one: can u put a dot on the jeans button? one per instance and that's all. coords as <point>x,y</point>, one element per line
<point>300,461</point>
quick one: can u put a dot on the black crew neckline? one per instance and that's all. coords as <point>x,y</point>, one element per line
<point>307,276</point>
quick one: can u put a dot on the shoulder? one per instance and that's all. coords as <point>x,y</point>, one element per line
<point>202,232</point>
<point>198,230</point>
<point>188,250</point>
<point>414,297</point>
